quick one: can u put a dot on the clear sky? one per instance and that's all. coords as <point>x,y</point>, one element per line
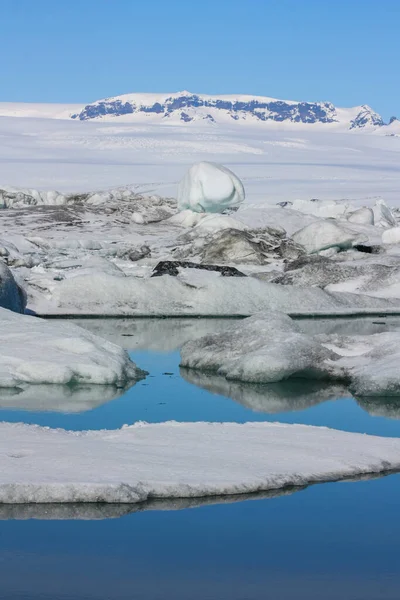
<point>346,51</point>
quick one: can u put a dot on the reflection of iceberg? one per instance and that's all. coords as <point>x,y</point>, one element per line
<point>381,406</point>
<point>285,396</point>
<point>158,335</point>
<point>92,512</point>
<point>99,511</point>
<point>58,398</point>
<point>353,326</point>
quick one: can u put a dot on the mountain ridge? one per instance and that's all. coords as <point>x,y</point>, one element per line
<point>187,107</point>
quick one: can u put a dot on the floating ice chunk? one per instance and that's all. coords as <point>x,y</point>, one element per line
<point>11,294</point>
<point>363,216</point>
<point>37,351</point>
<point>179,460</point>
<point>210,187</point>
<point>391,236</point>
<point>322,235</point>
<point>263,349</point>
<point>270,348</point>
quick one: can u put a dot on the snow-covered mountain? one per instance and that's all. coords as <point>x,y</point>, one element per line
<point>186,107</point>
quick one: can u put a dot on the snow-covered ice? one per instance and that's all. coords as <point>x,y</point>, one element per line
<point>322,235</point>
<point>37,351</point>
<point>210,187</point>
<point>270,347</point>
<point>192,293</point>
<point>179,460</point>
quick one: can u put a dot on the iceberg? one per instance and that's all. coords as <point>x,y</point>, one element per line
<point>179,460</point>
<point>37,351</point>
<point>210,187</point>
<point>270,347</point>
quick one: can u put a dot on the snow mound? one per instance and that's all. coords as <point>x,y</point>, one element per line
<point>37,351</point>
<point>322,235</point>
<point>11,294</point>
<point>270,348</point>
<point>210,187</point>
<point>179,460</point>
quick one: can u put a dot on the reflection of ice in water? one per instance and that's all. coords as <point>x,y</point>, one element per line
<point>167,335</point>
<point>59,398</point>
<point>158,335</point>
<point>381,406</point>
<point>354,326</point>
<point>285,396</point>
<point>87,512</point>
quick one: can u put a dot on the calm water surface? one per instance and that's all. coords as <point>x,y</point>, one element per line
<point>328,541</point>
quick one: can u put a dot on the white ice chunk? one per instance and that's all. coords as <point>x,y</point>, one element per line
<point>179,460</point>
<point>391,236</point>
<point>37,351</point>
<point>363,216</point>
<point>270,348</point>
<point>321,208</point>
<point>322,235</point>
<point>210,187</point>
<point>263,349</point>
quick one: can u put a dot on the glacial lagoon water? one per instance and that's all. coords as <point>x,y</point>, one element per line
<point>325,541</point>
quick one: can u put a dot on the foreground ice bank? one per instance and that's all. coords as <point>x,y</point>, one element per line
<point>179,460</point>
<point>37,351</point>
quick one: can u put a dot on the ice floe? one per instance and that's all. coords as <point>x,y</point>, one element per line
<point>270,347</point>
<point>191,293</point>
<point>37,351</point>
<point>179,460</point>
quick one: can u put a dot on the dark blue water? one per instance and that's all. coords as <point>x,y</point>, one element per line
<point>328,541</point>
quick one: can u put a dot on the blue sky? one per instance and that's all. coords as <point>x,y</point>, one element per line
<point>347,51</point>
